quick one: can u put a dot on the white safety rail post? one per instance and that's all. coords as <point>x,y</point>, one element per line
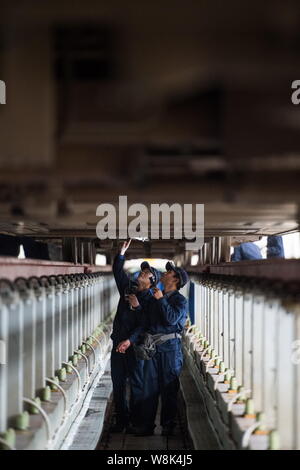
<point>111,287</point>
<point>59,323</point>
<point>98,297</point>
<point>205,312</point>
<point>199,293</point>
<point>64,318</point>
<point>40,332</point>
<point>259,326</point>
<point>14,352</point>
<point>100,280</point>
<point>269,361</point>
<point>4,338</point>
<point>219,317</point>
<point>93,297</point>
<point>295,358</point>
<point>85,308</point>
<point>231,329</point>
<point>216,307</point>
<point>215,316</point>
<point>111,290</point>
<point>220,321</point>
<point>94,313</point>
<point>91,303</point>
<point>208,312</point>
<point>105,289</point>
<point>56,289</point>
<point>28,300</point>
<point>239,322</point>
<point>97,301</point>
<point>15,355</point>
<point>226,326</point>
<point>198,300</point>
<point>80,308</point>
<point>102,299</point>
<point>211,321</point>
<point>287,392</point>
<point>205,292</point>
<point>75,301</point>
<point>50,325</point>
<point>247,338</point>
<point>198,304</point>
<point>107,292</point>
<point>71,315</point>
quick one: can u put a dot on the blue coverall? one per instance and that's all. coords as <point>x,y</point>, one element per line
<point>247,250</point>
<point>161,373</point>
<point>125,366</point>
<point>275,247</point>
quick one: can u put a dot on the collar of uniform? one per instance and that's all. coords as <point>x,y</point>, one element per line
<point>168,294</point>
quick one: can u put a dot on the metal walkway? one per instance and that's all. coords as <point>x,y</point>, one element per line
<point>122,441</point>
<point>193,427</point>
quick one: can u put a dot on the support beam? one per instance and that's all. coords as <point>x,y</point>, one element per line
<point>70,249</point>
<point>225,250</point>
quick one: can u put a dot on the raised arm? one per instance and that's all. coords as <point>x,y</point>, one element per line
<point>120,276</point>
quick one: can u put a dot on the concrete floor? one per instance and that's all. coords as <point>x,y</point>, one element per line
<point>122,441</point>
<point>192,420</point>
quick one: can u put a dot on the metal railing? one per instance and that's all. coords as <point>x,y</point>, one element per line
<point>253,325</point>
<point>46,323</point>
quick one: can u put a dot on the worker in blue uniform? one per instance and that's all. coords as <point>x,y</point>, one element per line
<point>166,318</point>
<point>250,251</point>
<point>246,251</point>
<point>133,294</point>
<point>275,248</point>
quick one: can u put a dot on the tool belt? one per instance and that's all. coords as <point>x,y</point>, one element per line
<point>147,348</point>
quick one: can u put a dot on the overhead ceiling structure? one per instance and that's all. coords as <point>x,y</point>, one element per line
<point>176,103</point>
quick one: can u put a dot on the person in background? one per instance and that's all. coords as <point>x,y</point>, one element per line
<point>246,251</point>
<point>275,247</point>
<point>252,251</point>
